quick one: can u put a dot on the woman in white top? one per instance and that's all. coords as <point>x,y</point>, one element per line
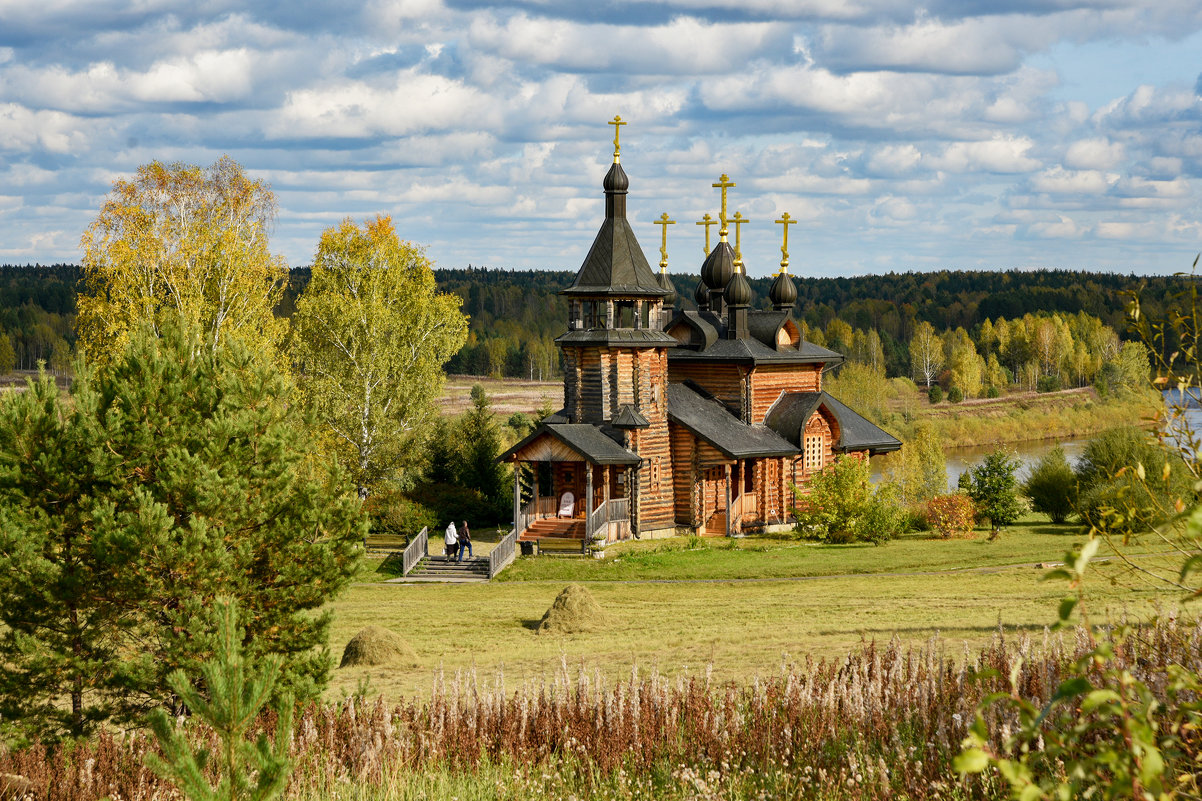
<point>451,541</point>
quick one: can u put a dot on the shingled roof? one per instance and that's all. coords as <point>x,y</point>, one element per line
<point>712,422</point>
<point>789,415</point>
<point>615,264</point>
<point>587,440</point>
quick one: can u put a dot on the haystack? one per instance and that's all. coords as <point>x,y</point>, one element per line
<point>376,645</point>
<point>574,610</point>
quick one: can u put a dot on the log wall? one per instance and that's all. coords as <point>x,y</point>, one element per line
<point>769,381</point>
<point>726,382</point>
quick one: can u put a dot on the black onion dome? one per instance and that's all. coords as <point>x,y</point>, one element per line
<point>719,266</point>
<point>783,292</point>
<point>738,290</point>
<point>702,295</point>
<point>615,179</point>
<point>666,284</point>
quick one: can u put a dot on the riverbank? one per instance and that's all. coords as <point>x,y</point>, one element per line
<point>1026,416</point>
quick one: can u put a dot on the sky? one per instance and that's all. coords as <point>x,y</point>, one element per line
<point>973,134</point>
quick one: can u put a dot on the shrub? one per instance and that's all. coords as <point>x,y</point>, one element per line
<point>992,391</point>
<point>935,393</point>
<point>955,395</point>
<point>451,502</point>
<point>394,515</point>
<point>993,487</point>
<point>1048,383</point>
<point>1052,487</point>
<point>842,506</point>
<point>951,515</point>
<point>1114,494</point>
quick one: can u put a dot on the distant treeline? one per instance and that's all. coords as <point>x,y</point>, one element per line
<point>516,314</point>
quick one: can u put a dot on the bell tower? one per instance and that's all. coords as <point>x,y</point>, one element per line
<point>615,351</point>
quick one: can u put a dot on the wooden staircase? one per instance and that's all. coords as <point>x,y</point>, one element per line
<point>437,568</point>
<point>715,526</point>
<point>566,528</point>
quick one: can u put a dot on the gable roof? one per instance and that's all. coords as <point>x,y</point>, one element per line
<point>709,420</point>
<point>789,415</point>
<point>587,440</point>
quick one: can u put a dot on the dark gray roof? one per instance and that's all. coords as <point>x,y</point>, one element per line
<point>763,325</point>
<point>615,265</point>
<point>709,420</point>
<point>709,342</point>
<point>792,410</point>
<point>629,417</point>
<point>587,440</point>
<point>646,337</point>
<point>557,417</point>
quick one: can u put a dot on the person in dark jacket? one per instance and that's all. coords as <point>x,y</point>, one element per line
<point>465,542</point>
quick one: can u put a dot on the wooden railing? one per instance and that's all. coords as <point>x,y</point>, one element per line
<point>612,517</point>
<point>416,551</point>
<point>743,506</point>
<point>500,556</point>
<point>537,509</point>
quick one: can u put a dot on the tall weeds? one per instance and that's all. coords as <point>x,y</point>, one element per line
<point>883,722</point>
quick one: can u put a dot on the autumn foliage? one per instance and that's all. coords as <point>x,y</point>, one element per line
<point>951,515</point>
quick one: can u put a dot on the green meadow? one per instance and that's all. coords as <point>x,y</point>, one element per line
<point>736,608</point>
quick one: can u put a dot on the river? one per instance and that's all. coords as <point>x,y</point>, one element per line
<point>1029,452</point>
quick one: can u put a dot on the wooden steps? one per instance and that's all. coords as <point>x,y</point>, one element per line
<point>715,526</point>
<point>567,528</point>
<point>437,568</point>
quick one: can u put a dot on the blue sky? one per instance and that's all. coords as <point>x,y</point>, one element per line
<point>979,134</point>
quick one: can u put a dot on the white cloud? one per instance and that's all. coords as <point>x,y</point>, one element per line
<point>1060,181</point>
<point>1098,153</point>
<point>683,46</point>
<point>1002,154</point>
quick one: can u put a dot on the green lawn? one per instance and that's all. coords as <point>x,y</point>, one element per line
<point>813,600</point>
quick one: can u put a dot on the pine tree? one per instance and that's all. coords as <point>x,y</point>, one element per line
<point>178,475</point>
<point>234,692</point>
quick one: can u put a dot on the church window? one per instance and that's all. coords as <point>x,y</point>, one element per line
<point>625,314</point>
<point>749,476</point>
<point>814,451</point>
<point>655,474</point>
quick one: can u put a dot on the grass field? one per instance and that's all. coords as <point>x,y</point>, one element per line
<point>741,609</point>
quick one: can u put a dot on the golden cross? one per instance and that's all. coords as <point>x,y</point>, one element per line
<point>664,222</point>
<point>707,221</point>
<point>724,183</point>
<point>617,122</point>
<point>785,221</point>
<point>738,220</point>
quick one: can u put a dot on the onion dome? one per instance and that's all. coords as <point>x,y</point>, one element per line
<point>615,179</point>
<point>719,266</point>
<point>783,293</point>
<point>666,284</point>
<point>738,290</point>
<point>702,295</point>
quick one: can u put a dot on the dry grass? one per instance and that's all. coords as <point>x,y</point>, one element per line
<point>876,723</point>
<point>376,646</point>
<point>575,610</point>
<point>508,395</point>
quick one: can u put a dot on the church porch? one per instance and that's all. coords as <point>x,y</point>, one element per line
<point>571,481</point>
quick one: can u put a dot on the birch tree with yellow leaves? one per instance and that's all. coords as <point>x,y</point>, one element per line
<point>178,240</point>
<point>370,337</point>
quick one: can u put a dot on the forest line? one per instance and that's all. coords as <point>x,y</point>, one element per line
<point>975,332</point>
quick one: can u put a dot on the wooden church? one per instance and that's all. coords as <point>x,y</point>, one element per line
<point>679,421</point>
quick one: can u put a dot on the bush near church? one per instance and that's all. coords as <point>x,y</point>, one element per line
<point>841,505</point>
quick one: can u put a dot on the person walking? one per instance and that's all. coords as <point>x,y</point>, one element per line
<point>465,542</point>
<point>451,542</point>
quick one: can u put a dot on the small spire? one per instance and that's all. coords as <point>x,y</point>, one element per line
<point>664,222</point>
<point>707,221</point>
<point>738,220</point>
<point>785,221</point>
<point>724,183</point>
<point>617,122</point>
